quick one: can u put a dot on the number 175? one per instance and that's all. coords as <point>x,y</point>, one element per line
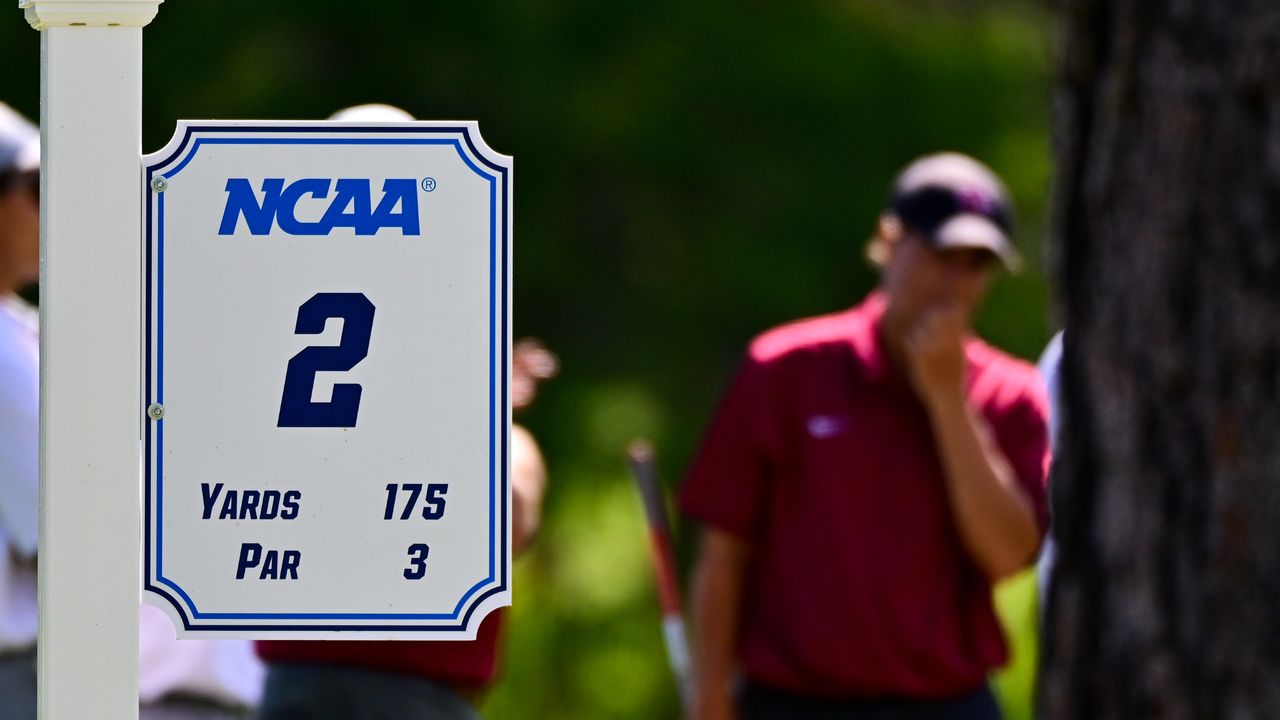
<point>433,505</point>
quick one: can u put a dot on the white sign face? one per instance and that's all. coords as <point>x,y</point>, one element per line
<point>327,352</point>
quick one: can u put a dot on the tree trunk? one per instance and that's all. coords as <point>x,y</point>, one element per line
<point>1165,601</point>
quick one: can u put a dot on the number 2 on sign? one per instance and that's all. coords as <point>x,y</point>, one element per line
<point>417,561</point>
<point>296,407</point>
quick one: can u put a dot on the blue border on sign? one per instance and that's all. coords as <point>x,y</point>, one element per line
<point>155,383</point>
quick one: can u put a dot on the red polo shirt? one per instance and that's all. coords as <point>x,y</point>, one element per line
<point>467,665</point>
<point>821,458</point>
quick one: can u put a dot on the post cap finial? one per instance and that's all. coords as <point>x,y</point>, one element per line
<point>89,13</point>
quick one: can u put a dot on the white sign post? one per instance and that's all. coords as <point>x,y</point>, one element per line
<point>327,351</point>
<point>91,97</point>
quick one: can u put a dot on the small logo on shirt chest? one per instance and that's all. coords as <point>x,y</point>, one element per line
<point>826,426</point>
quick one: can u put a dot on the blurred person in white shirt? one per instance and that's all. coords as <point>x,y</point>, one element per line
<point>194,679</point>
<point>177,679</point>
<point>19,413</point>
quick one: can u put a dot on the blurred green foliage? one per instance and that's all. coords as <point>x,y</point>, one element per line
<point>687,174</point>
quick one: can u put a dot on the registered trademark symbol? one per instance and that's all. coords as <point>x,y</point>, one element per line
<point>429,184</point>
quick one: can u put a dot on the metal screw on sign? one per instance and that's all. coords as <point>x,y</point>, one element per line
<point>156,411</point>
<point>159,184</point>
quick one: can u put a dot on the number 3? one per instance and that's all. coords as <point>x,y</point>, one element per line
<point>417,561</point>
<point>296,407</point>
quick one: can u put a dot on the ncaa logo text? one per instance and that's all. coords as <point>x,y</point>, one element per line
<point>351,206</point>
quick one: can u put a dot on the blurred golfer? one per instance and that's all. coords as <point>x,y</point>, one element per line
<point>413,680</point>
<point>177,679</point>
<point>867,478</point>
<point>19,412</point>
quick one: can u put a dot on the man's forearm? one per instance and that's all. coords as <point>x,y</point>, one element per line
<point>528,481</point>
<point>996,520</point>
<point>717,601</point>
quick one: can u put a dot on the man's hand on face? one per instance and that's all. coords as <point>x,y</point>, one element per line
<point>934,348</point>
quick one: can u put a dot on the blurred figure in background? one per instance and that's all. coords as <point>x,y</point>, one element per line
<point>412,680</point>
<point>19,413</point>
<point>868,477</point>
<point>1050,367</point>
<point>178,679</point>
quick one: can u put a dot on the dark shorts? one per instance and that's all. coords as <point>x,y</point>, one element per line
<point>302,691</point>
<point>18,683</point>
<point>191,707</point>
<point>762,703</point>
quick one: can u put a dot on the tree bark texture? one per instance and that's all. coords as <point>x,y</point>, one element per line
<point>1165,601</point>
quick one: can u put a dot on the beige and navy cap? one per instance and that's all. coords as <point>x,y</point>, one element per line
<point>954,201</point>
